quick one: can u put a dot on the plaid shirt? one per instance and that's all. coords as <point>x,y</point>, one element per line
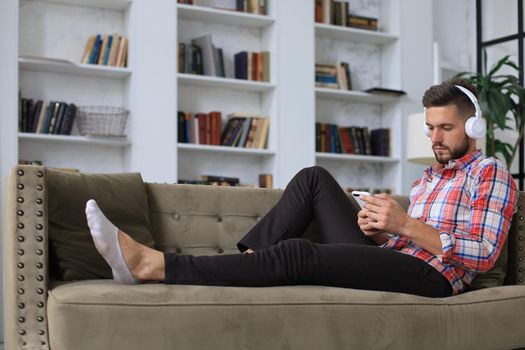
<point>471,202</point>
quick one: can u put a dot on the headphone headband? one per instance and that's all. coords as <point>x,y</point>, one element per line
<point>472,98</point>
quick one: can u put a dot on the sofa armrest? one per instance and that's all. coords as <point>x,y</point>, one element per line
<point>26,275</point>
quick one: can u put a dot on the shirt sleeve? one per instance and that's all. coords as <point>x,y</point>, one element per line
<point>493,203</point>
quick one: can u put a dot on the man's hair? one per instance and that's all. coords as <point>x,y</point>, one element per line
<point>446,94</point>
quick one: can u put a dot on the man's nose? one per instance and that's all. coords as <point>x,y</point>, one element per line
<point>436,136</point>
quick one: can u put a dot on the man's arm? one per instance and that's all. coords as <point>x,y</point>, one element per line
<point>493,202</point>
<point>386,215</point>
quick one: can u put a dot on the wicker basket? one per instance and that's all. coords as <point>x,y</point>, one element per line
<point>102,120</point>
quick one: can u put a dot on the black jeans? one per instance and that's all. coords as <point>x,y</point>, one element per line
<point>344,258</point>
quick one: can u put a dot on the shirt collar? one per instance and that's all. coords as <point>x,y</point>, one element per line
<point>458,164</point>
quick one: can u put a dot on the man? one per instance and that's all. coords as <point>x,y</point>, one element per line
<point>458,219</point>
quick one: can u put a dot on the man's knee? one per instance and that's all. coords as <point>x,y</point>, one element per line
<point>316,170</point>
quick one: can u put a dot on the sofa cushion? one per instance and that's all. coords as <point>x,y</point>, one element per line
<point>121,197</point>
<point>104,315</point>
<point>496,275</point>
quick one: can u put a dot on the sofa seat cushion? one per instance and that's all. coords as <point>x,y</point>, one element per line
<point>103,315</point>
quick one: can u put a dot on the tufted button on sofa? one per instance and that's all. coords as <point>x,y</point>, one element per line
<point>44,313</point>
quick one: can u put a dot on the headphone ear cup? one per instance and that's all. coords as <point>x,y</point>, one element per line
<point>475,127</point>
<point>425,129</point>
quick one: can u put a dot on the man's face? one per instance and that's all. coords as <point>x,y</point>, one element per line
<point>447,133</point>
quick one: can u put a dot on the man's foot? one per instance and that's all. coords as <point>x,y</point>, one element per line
<point>106,237</point>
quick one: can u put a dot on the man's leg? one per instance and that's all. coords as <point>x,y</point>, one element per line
<point>312,194</point>
<point>290,262</point>
<point>301,262</point>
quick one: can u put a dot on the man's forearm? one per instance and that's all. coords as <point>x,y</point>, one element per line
<point>381,238</point>
<point>424,235</point>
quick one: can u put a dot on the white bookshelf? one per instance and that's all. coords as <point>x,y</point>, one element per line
<point>51,65</point>
<point>353,34</point>
<point>356,158</point>
<point>233,32</point>
<point>222,16</point>
<point>52,39</point>
<point>74,139</point>
<point>225,83</point>
<point>374,58</point>
<point>353,96</point>
<point>186,147</point>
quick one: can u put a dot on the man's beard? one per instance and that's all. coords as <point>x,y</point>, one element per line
<point>457,153</point>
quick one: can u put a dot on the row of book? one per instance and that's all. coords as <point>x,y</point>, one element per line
<point>203,58</point>
<point>338,13</point>
<point>333,76</point>
<point>107,50</point>
<point>190,59</point>
<point>252,66</point>
<point>200,129</point>
<point>259,7</point>
<point>241,130</point>
<point>332,138</point>
<point>46,117</point>
<point>246,131</point>
<point>265,181</point>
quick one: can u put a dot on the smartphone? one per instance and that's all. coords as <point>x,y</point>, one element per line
<point>357,195</point>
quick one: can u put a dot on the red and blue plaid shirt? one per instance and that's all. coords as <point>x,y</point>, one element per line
<point>471,202</point>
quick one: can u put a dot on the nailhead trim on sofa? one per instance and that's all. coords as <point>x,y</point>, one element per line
<point>32,259</point>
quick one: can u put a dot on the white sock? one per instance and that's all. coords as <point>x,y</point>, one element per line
<point>105,235</point>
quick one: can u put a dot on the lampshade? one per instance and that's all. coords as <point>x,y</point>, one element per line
<point>419,147</point>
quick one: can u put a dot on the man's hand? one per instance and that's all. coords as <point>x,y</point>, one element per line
<point>380,236</point>
<point>382,214</point>
<point>385,214</point>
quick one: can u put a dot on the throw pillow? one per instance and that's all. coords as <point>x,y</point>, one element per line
<point>122,198</point>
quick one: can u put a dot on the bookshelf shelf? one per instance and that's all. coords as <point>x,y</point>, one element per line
<point>225,150</point>
<point>353,34</point>
<point>51,65</point>
<point>222,16</point>
<point>356,157</point>
<point>354,96</point>
<point>215,82</point>
<point>75,139</point>
<point>105,4</point>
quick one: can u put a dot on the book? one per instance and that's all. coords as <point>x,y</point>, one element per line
<point>220,180</point>
<point>69,119</point>
<point>362,22</point>
<point>241,65</point>
<point>89,49</point>
<point>103,49</point>
<point>208,53</point>
<point>380,142</point>
<point>265,181</point>
<point>266,66</point>
<point>115,43</point>
<point>93,58</point>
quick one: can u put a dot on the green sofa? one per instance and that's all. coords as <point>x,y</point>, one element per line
<point>44,312</point>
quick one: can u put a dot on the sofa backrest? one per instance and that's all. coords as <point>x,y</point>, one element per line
<point>209,220</point>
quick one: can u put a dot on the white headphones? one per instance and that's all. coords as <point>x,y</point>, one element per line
<point>475,126</point>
